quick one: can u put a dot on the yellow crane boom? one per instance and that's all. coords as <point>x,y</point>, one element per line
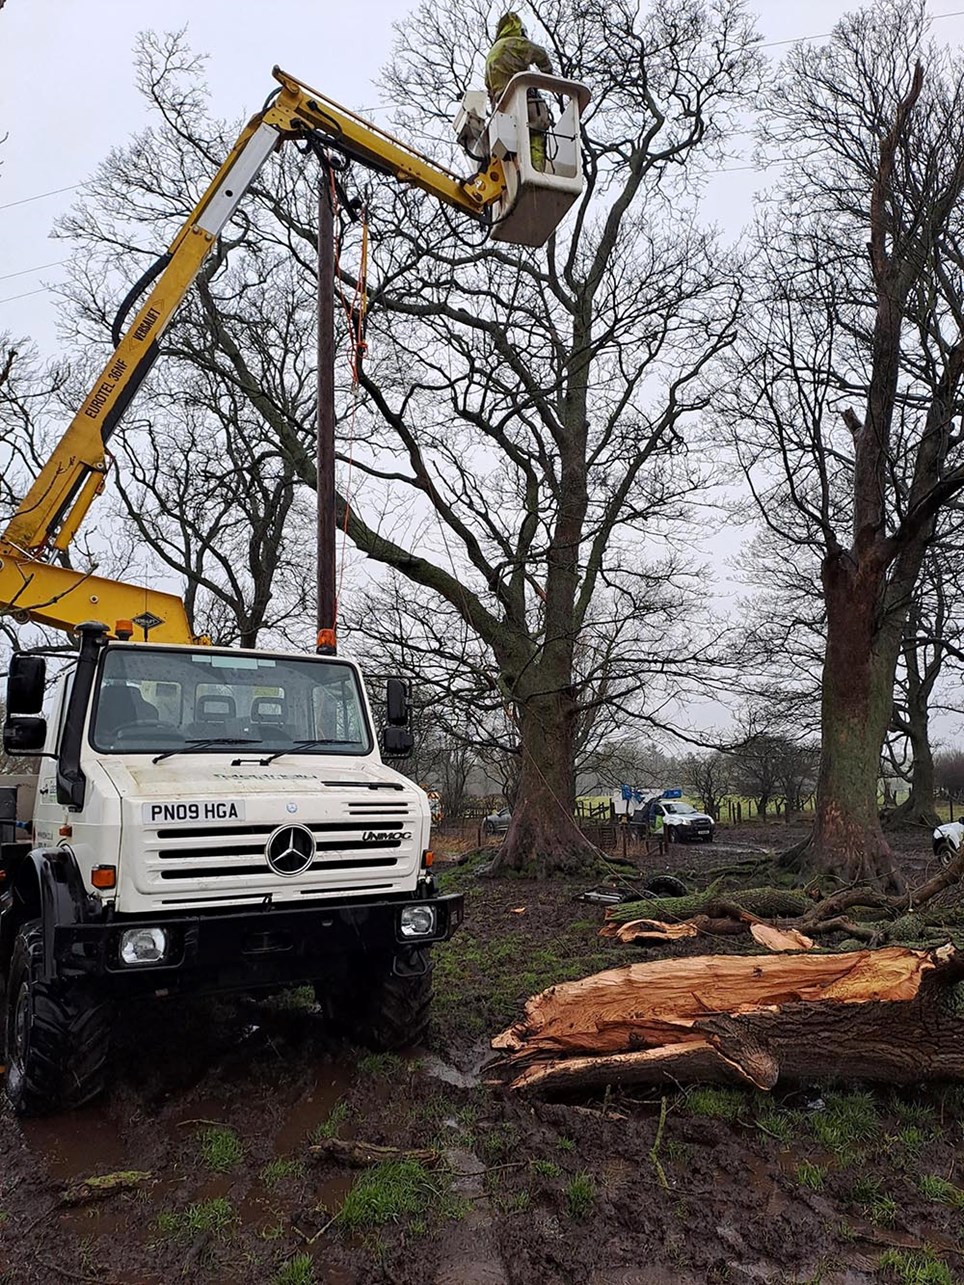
<point>37,589</point>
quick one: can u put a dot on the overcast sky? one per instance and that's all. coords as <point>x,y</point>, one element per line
<point>67,96</point>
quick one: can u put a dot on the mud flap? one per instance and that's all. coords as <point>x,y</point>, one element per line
<point>411,963</point>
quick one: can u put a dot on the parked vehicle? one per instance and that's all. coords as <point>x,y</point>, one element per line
<point>497,822</point>
<point>947,841</point>
<point>682,822</point>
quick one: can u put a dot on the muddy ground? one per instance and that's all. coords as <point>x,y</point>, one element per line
<point>214,1106</point>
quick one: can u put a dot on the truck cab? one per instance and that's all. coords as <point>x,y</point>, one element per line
<point>208,819</point>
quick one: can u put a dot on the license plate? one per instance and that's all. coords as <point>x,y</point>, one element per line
<point>189,812</point>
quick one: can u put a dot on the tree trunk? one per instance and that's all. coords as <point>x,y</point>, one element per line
<point>544,838</point>
<point>751,1020</point>
<point>919,804</point>
<point>858,677</point>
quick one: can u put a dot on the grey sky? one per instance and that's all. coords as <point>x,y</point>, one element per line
<point>67,96</point>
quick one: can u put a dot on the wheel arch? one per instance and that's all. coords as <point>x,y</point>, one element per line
<point>47,886</point>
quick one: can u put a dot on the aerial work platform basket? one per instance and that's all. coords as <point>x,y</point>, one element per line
<point>534,133</point>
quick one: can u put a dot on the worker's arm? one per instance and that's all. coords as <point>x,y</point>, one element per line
<point>540,59</point>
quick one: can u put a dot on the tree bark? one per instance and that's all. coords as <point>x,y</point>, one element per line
<point>751,1020</point>
<point>857,698</point>
<point>544,838</point>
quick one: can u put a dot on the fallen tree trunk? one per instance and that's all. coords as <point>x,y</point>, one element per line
<point>885,1014</point>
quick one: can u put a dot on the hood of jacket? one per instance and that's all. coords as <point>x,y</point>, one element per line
<point>510,24</point>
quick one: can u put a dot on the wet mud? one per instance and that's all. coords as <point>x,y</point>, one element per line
<point>217,1102</point>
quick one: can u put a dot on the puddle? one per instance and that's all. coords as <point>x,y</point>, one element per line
<point>312,1108</point>
<point>76,1144</point>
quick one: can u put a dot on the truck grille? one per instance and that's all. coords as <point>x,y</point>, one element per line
<point>375,837</point>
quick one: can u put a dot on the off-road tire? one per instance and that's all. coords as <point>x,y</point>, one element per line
<point>57,1036</point>
<point>379,1010</point>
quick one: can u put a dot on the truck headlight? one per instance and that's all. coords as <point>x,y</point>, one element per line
<point>417,921</point>
<point>143,946</point>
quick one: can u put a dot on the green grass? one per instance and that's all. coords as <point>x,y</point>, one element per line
<point>580,1196</point>
<point>299,1270</point>
<point>715,1103</point>
<point>481,985</point>
<point>277,1171</point>
<point>848,1124</point>
<point>939,1189</point>
<point>810,1175</point>
<point>546,1168</point>
<point>329,1128</point>
<point>221,1149</point>
<point>565,1144</point>
<point>782,1125</point>
<point>395,1190</point>
<point>214,1216</point>
<point>380,1065</point>
<point>916,1267</point>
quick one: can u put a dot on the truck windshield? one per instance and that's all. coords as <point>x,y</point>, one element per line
<point>155,699</point>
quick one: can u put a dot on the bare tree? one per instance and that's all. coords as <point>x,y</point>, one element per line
<point>527,409</point>
<point>709,777</point>
<point>851,361</point>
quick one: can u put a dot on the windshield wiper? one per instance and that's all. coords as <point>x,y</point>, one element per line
<point>194,746</point>
<point>302,745</point>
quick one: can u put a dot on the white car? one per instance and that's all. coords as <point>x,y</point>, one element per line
<point>681,821</point>
<point>947,841</point>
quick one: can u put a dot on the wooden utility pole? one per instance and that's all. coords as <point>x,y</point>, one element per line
<point>325,454</point>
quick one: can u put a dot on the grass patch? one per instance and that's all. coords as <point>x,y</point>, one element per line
<point>580,1196</point>
<point>221,1149</point>
<point>380,1065</point>
<point>782,1125</point>
<point>916,1267</point>
<point>546,1168</point>
<point>299,1270</point>
<point>939,1189</point>
<point>214,1216</point>
<point>394,1190</point>
<point>810,1175</point>
<point>336,1118</point>
<point>481,985</point>
<point>565,1144</point>
<point>849,1122</point>
<point>715,1103</point>
<point>281,1171</point>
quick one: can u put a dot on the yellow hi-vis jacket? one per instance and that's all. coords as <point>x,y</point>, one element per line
<point>511,53</point>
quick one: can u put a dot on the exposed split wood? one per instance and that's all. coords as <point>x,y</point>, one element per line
<point>875,1014</point>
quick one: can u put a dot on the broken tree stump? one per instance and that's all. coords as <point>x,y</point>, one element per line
<point>887,1014</point>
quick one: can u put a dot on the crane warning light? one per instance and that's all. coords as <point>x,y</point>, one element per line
<point>327,644</point>
<point>124,629</point>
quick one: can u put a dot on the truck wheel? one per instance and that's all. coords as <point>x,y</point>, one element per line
<point>945,853</point>
<point>57,1036</point>
<point>380,1010</point>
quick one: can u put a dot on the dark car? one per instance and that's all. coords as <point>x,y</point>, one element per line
<point>497,822</point>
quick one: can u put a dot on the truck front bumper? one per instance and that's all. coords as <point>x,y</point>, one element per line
<point>271,946</point>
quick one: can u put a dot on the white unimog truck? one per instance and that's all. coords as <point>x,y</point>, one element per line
<point>206,820</point>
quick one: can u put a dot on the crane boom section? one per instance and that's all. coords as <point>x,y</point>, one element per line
<point>57,502</point>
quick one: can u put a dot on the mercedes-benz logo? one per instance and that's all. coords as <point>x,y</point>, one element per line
<point>290,850</point>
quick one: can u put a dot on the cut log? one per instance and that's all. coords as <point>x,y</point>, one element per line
<point>883,1014</point>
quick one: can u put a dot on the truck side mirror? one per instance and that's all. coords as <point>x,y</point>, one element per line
<point>24,734</point>
<point>397,702</point>
<point>397,742</point>
<point>25,684</point>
